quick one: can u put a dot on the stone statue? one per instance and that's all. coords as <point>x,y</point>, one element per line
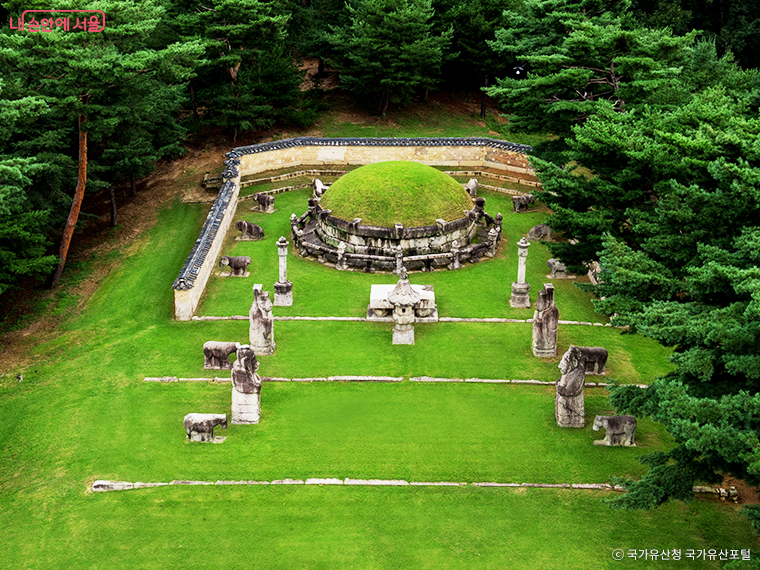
<point>521,203</point>
<point>264,203</point>
<point>545,323</point>
<point>319,188</point>
<point>200,427</point>
<point>557,269</point>
<point>594,359</point>
<point>238,265</point>
<point>620,430</point>
<point>541,232</point>
<point>261,330</point>
<point>246,387</point>
<point>569,405</point>
<point>472,187</point>
<point>250,230</point>
<point>217,354</point>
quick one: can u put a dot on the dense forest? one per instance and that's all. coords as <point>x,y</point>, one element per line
<point>652,169</point>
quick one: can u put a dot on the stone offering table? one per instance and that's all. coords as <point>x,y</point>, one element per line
<point>380,309</point>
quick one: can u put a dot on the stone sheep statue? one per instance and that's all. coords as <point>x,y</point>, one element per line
<point>620,430</point>
<point>521,203</point>
<point>594,359</point>
<point>217,354</point>
<point>570,407</point>
<point>318,187</point>
<point>238,265</point>
<point>250,230</point>
<point>200,427</point>
<point>541,232</point>
<point>557,269</point>
<point>265,203</point>
<point>472,187</point>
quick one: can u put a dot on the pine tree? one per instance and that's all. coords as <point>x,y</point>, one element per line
<point>80,72</point>
<point>250,76</point>
<point>582,55</point>
<point>388,50</point>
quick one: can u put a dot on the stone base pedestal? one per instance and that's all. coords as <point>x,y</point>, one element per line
<point>570,411</point>
<point>283,294</point>
<point>403,334</point>
<point>545,352</point>
<point>206,437</point>
<point>202,437</point>
<point>263,349</point>
<point>245,408</point>
<point>520,296</point>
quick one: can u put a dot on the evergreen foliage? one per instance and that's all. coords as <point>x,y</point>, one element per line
<point>661,183</point>
<point>582,55</point>
<point>249,73</point>
<point>474,23</point>
<point>389,49</point>
<point>110,81</point>
<point>734,25</point>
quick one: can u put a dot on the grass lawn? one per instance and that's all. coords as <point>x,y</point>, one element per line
<point>82,412</point>
<point>374,528</point>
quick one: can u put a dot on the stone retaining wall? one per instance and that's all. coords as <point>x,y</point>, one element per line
<point>446,151</point>
<point>192,278</point>
<point>248,160</point>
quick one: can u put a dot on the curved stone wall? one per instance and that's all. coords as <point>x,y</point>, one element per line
<point>384,241</point>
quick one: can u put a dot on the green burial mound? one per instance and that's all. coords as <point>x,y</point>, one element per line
<point>387,193</point>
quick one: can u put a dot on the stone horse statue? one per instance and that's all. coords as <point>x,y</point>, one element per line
<point>200,427</point>
<point>620,430</point>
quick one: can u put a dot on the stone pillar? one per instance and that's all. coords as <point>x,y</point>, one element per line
<point>283,289</point>
<point>520,289</point>
<point>545,324</point>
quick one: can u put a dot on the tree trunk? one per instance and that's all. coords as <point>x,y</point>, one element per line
<point>132,185</point>
<point>483,101</point>
<point>76,205</point>
<point>385,104</point>
<point>427,92</point>
<point>113,206</point>
<point>320,67</point>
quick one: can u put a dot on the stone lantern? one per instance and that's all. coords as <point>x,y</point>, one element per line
<point>403,298</point>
